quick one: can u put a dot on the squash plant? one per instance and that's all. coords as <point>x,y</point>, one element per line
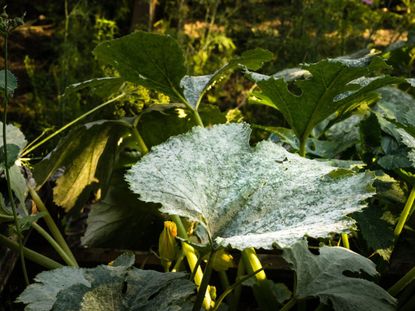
<point>234,197</point>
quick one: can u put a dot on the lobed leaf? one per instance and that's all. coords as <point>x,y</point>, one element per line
<point>325,276</point>
<point>119,287</point>
<point>334,84</point>
<point>248,197</point>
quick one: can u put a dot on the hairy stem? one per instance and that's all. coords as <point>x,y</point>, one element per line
<point>405,213</point>
<point>9,188</point>
<point>54,244</point>
<point>63,128</point>
<point>30,254</point>
<point>57,235</point>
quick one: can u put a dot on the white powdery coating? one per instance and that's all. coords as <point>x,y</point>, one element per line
<point>247,197</point>
<point>193,86</point>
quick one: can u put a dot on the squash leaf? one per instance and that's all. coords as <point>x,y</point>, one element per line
<point>152,60</point>
<point>118,287</point>
<point>334,84</point>
<point>11,81</point>
<point>325,276</point>
<point>248,197</point>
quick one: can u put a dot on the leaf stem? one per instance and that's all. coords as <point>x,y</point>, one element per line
<point>52,225</point>
<point>139,139</point>
<point>204,284</point>
<point>405,213</point>
<point>291,303</point>
<point>9,188</point>
<point>30,254</point>
<point>237,292</point>
<point>402,283</point>
<point>345,240</point>
<point>302,151</point>
<point>54,244</point>
<point>63,128</point>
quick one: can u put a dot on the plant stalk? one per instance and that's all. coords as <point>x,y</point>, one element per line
<point>141,144</point>
<point>237,292</point>
<point>9,188</point>
<point>291,303</point>
<point>405,213</point>
<point>63,128</point>
<point>204,286</point>
<point>402,283</point>
<point>30,254</point>
<point>57,235</point>
<point>345,240</point>
<point>54,244</point>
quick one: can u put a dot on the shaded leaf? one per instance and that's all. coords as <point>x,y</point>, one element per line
<point>14,136</point>
<point>334,84</point>
<point>323,276</point>
<point>120,215</point>
<point>11,81</point>
<point>12,155</point>
<point>247,197</point>
<point>115,288</point>
<point>152,60</point>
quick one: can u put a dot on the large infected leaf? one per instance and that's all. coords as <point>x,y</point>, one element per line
<point>334,84</point>
<point>325,276</point>
<point>152,60</point>
<point>248,197</point>
<point>195,86</point>
<point>112,288</point>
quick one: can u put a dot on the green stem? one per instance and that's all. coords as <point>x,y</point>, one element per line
<point>9,188</point>
<point>196,114</point>
<point>57,235</point>
<point>402,283</point>
<point>63,128</point>
<point>291,303</point>
<point>54,244</point>
<point>345,240</point>
<point>302,151</point>
<point>405,213</point>
<point>30,254</point>
<point>263,291</point>
<point>178,261</point>
<point>238,289</point>
<point>140,141</point>
<point>204,285</point>
<point>192,259</point>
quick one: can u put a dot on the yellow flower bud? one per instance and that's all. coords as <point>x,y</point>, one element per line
<point>167,244</point>
<point>222,260</point>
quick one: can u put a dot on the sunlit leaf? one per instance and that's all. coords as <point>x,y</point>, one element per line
<point>103,87</point>
<point>248,197</point>
<point>334,84</point>
<point>325,276</point>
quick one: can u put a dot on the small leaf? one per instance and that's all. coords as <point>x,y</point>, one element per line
<point>334,84</point>
<point>152,60</point>
<point>247,197</point>
<point>14,136</point>
<point>12,155</point>
<point>11,81</point>
<point>324,276</point>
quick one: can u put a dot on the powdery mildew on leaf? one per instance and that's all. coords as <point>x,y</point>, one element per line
<point>323,276</point>
<point>248,197</point>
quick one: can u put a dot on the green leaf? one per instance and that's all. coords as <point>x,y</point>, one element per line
<point>152,60</point>
<point>25,222</point>
<point>120,288</point>
<point>325,276</point>
<point>120,215</point>
<point>102,87</point>
<point>194,87</point>
<point>247,197</point>
<point>11,81</point>
<point>12,155</point>
<point>14,136</point>
<point>334,84</point>
<point>87,154</point>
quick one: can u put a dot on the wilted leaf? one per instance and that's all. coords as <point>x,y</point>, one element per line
<point>248,197</point>
<point>334,84</point>
<point>11,81</point>
<point>118,288</point>
<point>324,276</point>
<point>87,154</point>
<point>152,60</point>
